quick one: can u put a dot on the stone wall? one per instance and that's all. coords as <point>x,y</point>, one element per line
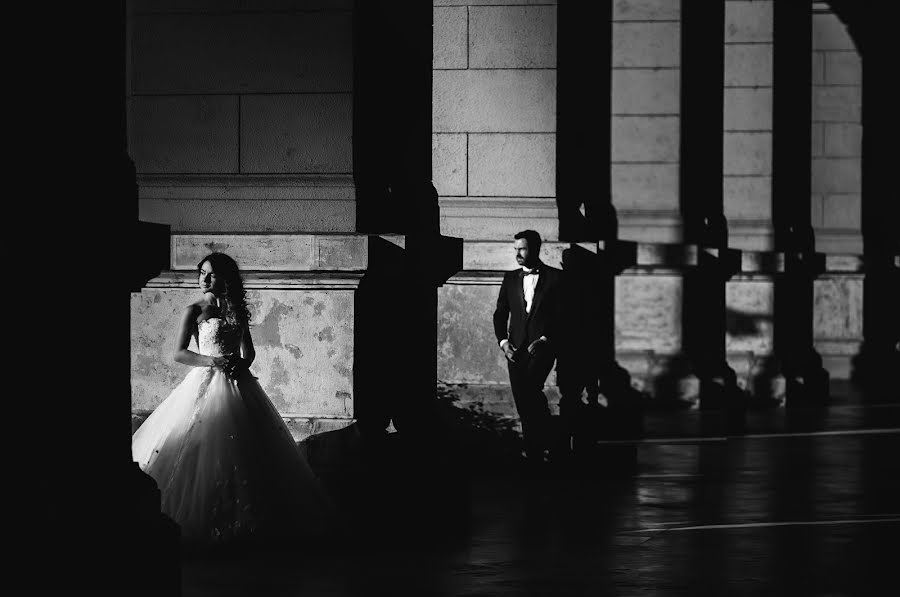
<point>239,119</point>
<point>837,135</point>
<point>494,117</point>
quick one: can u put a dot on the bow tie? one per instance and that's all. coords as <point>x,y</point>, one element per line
<point>530,272</point>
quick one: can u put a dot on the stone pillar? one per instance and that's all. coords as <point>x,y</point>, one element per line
<point>879,359</point>
<point>644,154</point>
<point>807,380</point>
<point>701,198</point>
<point>747,168</point>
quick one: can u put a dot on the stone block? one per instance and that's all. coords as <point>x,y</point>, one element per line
<point>467,349</point>
<point>648,313</point>
<point>841,175</point>
<point>829,33</point>
<point>488,223</point>
<point>303,341</point>
<point>838,307</point>
<point>645,139</point>
<point>646,10</point>
<point>512,37</point>
<point>645,186</point>
<point>448,164</point>
<point>490,2</point>
<point>748,109</point>
<point>223,215</point>
<point>843,68</point>
<point>149,6</point>
<point>842,139</point>
<point>512,165</point>
<point>817,140</point>
<point>818,68</point>
<point>646,91</point>
<point>449,37</point>
<point>296,133</point>
<point>837,104</point>
<point>748,65</point>
<point>243,52</point>
<point>816,206</point>
<point>646,44</point>
<point>494,101</point>
<point>185,134</point>
<point>842,211</point>
<point>748,21</point>
<point>747,197</point>
<point>748,154</point>
<point>749,309</point>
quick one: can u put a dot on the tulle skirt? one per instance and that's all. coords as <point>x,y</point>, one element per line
<point>226,464</point>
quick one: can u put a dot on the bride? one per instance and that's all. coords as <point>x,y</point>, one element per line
<point>225,463</point>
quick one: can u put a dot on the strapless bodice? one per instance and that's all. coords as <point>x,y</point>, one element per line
<point>216,337</point>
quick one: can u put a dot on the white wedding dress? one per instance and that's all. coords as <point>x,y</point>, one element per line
<point>225,463</point>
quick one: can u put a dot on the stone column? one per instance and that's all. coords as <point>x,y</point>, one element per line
<point>701,198</point>
<point>807,380</point>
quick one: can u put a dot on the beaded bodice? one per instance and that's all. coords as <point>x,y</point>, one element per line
<point>216,337</point>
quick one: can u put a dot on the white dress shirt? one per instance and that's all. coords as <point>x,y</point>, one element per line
<point>529,283</point>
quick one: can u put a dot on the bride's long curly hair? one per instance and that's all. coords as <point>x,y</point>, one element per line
<point>236,311</point>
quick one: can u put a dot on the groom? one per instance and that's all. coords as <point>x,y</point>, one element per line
<point>527,324</point>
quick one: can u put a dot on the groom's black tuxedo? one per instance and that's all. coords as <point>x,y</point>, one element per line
<point>520,327</point>
<point>528,372</point>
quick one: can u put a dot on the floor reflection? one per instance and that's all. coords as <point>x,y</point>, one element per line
<point>807,502</point>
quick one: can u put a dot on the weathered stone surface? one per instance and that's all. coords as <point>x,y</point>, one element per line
<point>646,44</point>
<point>512,37</point>
<point>301,187</point>
<point>838,308</point>
<point>645,139</point>
<point>816,217</point>
<point>747,197</point>
<point>303,341</point>
<point>817,141</point>
<point>296,133</point>
<point>818,68</point>
<point>842,211</point>
<point>837,104</point>
<point>843,68</point>
<point>449,37</point>
<point>842,139</point>
<point>243,52</point>
<point>467,349</point>
<point>836,175</point>
<point>648,313</point>
<point>449,170</point>
<point>748,64</point>
<point>646,10</point>
<point>748,154</point>
<point>748,109</point>
<point>512,165</point>
<point>494,101</point>
<point>186,215</point>
<point>749,21</point>
<point>184,134</point>
<point>830,34</point>
<point>645,186</point>
<point>275,252</point>
<point>641,91</point>
<point>749,306</point>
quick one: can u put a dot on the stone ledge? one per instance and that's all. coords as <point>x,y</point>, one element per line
<point>279,252</point>
<point>247,186</point>
<point>266,281</point>
<point>300,426</point>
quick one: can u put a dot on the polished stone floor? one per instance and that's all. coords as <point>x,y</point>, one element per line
<point>802,501</point>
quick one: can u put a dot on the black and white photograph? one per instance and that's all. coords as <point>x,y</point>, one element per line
<point>459,298</point>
